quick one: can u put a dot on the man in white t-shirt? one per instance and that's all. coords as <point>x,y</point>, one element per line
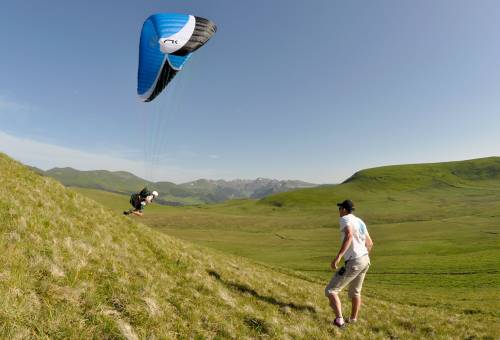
<point>356,244</point>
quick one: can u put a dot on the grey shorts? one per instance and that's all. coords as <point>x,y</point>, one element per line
<point>353,276</point>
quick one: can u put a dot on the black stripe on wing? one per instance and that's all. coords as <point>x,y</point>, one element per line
<point>167,74</point>
<point>204,29</point>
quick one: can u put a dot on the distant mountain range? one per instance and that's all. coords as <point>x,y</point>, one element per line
<point>195,192</point>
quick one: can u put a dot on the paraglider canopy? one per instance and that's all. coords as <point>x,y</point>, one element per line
<point>167,42</point>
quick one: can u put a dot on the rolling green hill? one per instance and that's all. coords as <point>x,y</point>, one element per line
<point>420,176</point>
<point>399,180</point>
<point>73,269</point>
<point>114,181</point>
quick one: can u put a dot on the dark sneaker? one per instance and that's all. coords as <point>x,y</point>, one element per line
<point>126,213</point>
<point>339,322</point>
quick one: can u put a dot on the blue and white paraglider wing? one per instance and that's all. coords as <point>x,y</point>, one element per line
<point>167,42</point>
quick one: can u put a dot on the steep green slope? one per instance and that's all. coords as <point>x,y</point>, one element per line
<point>72,269</point>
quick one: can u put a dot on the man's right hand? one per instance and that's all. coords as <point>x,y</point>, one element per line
<point>335,262</point>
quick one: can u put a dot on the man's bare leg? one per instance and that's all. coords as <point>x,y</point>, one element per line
<point>356,303</point>
<point>335,304</point>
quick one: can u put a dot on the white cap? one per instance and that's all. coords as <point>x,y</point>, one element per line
<point>155,193</point>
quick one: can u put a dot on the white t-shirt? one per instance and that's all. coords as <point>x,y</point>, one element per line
<point>359,231</point>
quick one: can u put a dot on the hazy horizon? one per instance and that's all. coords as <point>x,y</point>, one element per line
<point>259,177</point>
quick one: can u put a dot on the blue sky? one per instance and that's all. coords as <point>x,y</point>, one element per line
<point>310,90</point>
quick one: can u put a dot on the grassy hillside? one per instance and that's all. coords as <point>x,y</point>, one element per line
<point>434,246</point>
<point>395,181</point>
<point>406,193</point>
<point>73,269</point>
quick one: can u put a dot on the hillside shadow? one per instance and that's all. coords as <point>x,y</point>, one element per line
<point>242,288</point>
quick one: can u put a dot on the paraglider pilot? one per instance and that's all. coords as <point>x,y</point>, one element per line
<point>140,200</point>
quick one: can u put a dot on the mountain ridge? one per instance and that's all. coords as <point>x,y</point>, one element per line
<point>194,192</point>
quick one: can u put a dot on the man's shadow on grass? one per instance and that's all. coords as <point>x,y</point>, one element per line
<point>269,299</point>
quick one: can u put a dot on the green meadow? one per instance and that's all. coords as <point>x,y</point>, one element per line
<point>436,230</point>
<point>73,268</point>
